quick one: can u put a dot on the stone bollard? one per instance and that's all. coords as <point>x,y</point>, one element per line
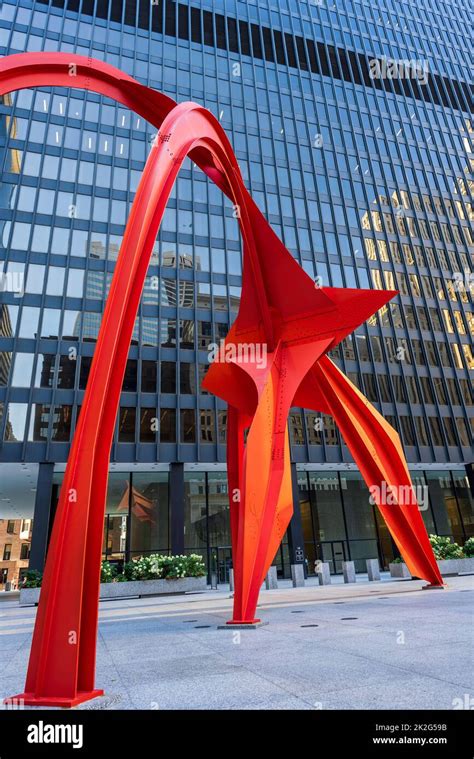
<point>297,575</point>
<point>348,570</point>
<point>324,575</point>
<point>373,569</point>
<point>231,580</point>
<point>271,580</point>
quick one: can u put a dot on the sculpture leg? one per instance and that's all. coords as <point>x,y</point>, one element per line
<point>266,494</point>
<point>235,460</point>
<point>376,449</point>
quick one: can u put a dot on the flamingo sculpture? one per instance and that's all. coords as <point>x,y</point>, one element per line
<point>281,310</point>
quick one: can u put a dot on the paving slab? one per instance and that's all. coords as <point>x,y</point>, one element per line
<point>335,647</point>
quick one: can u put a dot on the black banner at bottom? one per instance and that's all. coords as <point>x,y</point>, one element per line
<point>88,732</point>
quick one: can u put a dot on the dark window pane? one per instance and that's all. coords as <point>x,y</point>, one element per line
<point>168,425</point>
<point>183,22</point>
<point>61,423</point>
<point>207,425</point>
<point>66,372</point>
<point>187,378</point>
<point>170,18</point>
<point>196,34</point>
<point>208,28</point>
<point>232,35</point>
<point>148,425</point>
<point>244,38</point>
<point>168,377</point>
<point>127,424</point>
<point>130,377</point>
<point>149,377</point>
<point>220,32</point>
<point>188,425</point>
<point>256,42</point>
<point>86,362</point>
<point>290,50</point>
<point>267,41</point>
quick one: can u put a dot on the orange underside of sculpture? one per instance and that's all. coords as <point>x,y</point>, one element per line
<point>273,359</point>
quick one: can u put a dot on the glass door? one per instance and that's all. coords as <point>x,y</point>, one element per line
<point>338,555</point>
<point>224,563</point>
<point>333,552</point>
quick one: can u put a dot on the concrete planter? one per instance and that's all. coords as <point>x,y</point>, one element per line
<point>29,596</point>
<point>399,570</point>
<point>456,566</point>
<point>447,567</point>
<point>108,590</point>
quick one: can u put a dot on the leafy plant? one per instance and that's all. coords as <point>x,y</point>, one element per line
<point>32,579</point>
<point>108,571</point>
<point>144,568</point>
<point>160,566</point>
<point>398,560</point>
<point>468,549</point>
<point>153,567</point>
<point>443,548</point>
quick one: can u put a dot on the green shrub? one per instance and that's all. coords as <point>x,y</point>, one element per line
<point>195,566</point>
<point>398,560</point>
<point>143,568</point>
<point>154,567</point>
<point>108,571</point>
<point>32,579</point>
<point>162,567</point>
<point>443,548</point>
<point>468,549</point>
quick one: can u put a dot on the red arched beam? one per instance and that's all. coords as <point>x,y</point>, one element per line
<point>280,311</point>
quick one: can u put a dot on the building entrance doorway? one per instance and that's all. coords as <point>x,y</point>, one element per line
<point>221,562</point>
<point>334,552</point>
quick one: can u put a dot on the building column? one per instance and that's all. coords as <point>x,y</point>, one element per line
<point>42,517</point>
<point>176,502</point>
<point>295,528</point>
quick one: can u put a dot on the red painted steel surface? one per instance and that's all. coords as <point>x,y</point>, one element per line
<point>281,312</point>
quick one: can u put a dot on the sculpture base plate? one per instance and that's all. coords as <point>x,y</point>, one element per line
<point>29,699</point>
<point>237,625</point>
<point>434,587</point>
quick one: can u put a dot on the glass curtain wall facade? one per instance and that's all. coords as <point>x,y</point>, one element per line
<point>367,180</point>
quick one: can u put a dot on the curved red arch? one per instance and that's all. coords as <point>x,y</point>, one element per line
<point>279,308</point>
<point>85,480</point>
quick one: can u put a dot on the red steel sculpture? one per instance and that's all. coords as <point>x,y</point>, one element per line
<point>274,357</point>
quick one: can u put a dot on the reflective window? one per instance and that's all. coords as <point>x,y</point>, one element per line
<point>29,322</point>
<point>22,369</point>
<point>149,522</point>
<point>195,511</point>
<point>444,505</point>
<point>15,422</point>
<point>50,323</point>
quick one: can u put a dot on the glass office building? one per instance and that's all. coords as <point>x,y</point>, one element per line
<point>364,170</point>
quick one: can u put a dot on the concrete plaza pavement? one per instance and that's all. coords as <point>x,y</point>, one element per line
<point>377,645</point>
